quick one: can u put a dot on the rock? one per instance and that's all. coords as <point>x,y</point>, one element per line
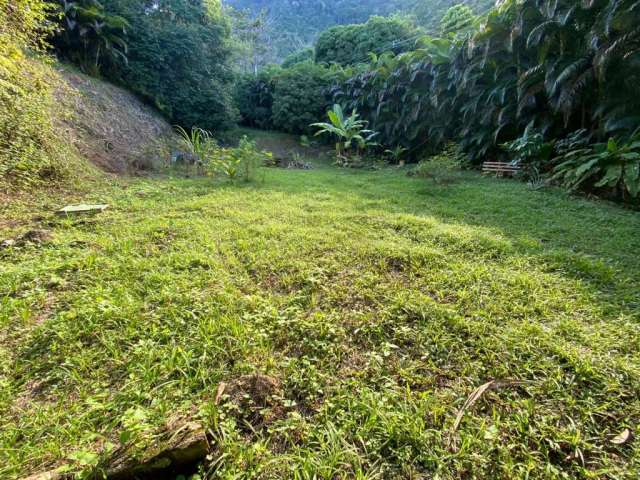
<point>187,447</point>
<point>8,243</point>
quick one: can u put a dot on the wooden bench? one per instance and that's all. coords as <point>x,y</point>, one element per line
<point>500,168</point>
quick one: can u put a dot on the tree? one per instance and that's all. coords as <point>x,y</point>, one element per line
<point>458,20</point>
<point>252,40</point>
<point>254,97</point>
<point>304,55</point>
<point>179,59</point>
<point>302,95</point>
<point>351,44</point>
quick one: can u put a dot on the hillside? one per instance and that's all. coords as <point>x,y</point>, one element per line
<point>296,24</point>
<point>110,126</point>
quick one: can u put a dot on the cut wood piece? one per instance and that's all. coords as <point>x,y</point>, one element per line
<point>82,209</point>
<point>188,447</point>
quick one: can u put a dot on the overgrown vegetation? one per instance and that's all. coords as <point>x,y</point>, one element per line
<point>287,99</point>
<point>527,75</point>
<point>30,151</point>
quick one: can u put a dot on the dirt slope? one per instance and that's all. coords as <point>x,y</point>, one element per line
<point>111,127</point>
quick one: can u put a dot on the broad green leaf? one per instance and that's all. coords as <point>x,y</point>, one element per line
<point>632,178</point>
<point>611,176</point>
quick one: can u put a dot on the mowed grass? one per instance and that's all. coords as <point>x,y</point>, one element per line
<point>375,303</point>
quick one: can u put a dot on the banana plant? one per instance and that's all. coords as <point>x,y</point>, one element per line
<point>613,164</point>
<point>89,35</point>
<point>351,131</point>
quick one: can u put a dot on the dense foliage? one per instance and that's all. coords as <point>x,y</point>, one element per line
<point>458,20</point>
<point>29,149</point>
<point>299,56</point>
<point>557,66</point>
<point>89,36</point>
<point>254,97</point>
<point>287,99</point>
<point>178,58</point>
<point>302,96</point>
<point>174,53</point>
<point>351,44</point>
<point>430,13</point>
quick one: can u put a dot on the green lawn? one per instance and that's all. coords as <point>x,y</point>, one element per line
<point>373,304</point>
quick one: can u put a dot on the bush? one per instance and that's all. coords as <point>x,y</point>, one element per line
<point>443,168</point>
<point>351,44</point>
<point>240,163</point>
<point>531,152</point>
<point>613,165</point>
<point>302,96</point>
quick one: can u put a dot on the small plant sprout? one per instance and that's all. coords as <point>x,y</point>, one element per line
<point>396,154</point>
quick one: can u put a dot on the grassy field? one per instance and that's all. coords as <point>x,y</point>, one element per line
<point>364,308</point>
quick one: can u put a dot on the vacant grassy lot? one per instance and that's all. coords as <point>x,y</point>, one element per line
<point>371,305</point>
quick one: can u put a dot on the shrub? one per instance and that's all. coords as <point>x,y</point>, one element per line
<point>240,163</point>
<point>613,165</point>
<point>443,168</point>
<point>531,152</point>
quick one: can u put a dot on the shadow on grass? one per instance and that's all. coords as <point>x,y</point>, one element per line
<point>592,241</point>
